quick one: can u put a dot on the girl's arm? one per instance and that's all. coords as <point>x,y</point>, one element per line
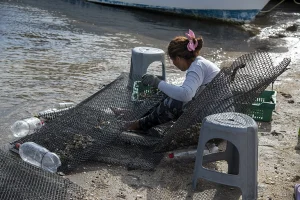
<point>187,91</point>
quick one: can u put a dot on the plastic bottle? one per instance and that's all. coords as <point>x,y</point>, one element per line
<point>213,148</point>
<point>39,156</point>
<point>51,113</point>
<point>183,154</point>
<point>192,153</point>
<point>63,105</point>
<point>25,127</point>
<point>57,110</point>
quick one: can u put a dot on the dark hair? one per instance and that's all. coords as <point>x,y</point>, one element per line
<point>178,47</point>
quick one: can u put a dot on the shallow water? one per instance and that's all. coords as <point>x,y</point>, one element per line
<point>64,50</point>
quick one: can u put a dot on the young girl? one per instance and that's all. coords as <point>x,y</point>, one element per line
<point>184,53</point>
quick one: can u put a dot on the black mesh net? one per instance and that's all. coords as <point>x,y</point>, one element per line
<point>235,88</point>
<point>92,129</point>
<point>20,181</point>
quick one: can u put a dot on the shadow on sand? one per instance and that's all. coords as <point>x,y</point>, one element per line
<point>170,180</point>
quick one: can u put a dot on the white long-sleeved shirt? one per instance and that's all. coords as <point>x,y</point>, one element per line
<point>200,72</point>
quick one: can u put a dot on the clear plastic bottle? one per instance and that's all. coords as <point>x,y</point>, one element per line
<point>50,114</point>
<point>26,126</point>
<point>39,156</point>
<point>57,110</point>
<point>185,154</point>
<point>213,149</point>
<point>63,105</point>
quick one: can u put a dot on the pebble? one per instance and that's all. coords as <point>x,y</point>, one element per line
<point>296,178</point>
<point>286,95</point>
<point>275,133</point>
<point>61,173</point>
<point>293,163</point>
<point>292,28</point>
<point>123,196</point>
<point>297,147</point>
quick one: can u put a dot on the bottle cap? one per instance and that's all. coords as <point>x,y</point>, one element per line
<point>171,155</point>
<point>17,145</point>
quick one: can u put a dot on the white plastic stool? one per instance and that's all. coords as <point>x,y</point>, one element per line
<point>141,58</point>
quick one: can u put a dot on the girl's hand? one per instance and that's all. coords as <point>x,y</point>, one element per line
<point>151,80</point>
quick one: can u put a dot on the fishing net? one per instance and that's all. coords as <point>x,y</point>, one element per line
<point>92,130</point>
<point>234,89</point>
<point>20,181</point>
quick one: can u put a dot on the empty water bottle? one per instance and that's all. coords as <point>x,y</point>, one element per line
<point>213,148</point>
<point>39,156</point>
<point>57,110</point>
<point>50,114</point>
<point>191,154</point>
<point>63,105</point>
<point>183,154</point>
<point>25,127</point>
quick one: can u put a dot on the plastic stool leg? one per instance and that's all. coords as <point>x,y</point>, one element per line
<point>233,159</point>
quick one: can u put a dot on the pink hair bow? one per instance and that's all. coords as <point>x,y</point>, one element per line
<point>191,35</point>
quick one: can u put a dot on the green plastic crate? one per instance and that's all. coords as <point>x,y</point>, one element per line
<point>141,92</point>
<point>262,108</point>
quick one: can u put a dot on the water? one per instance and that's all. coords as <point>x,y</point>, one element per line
<point>64,50</point>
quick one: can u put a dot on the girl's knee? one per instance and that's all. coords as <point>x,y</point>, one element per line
<point>173,104</point>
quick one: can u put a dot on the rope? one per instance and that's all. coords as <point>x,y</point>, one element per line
<point>274,7</point>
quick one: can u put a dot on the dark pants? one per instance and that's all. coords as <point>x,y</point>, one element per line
<point>169,109</point>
